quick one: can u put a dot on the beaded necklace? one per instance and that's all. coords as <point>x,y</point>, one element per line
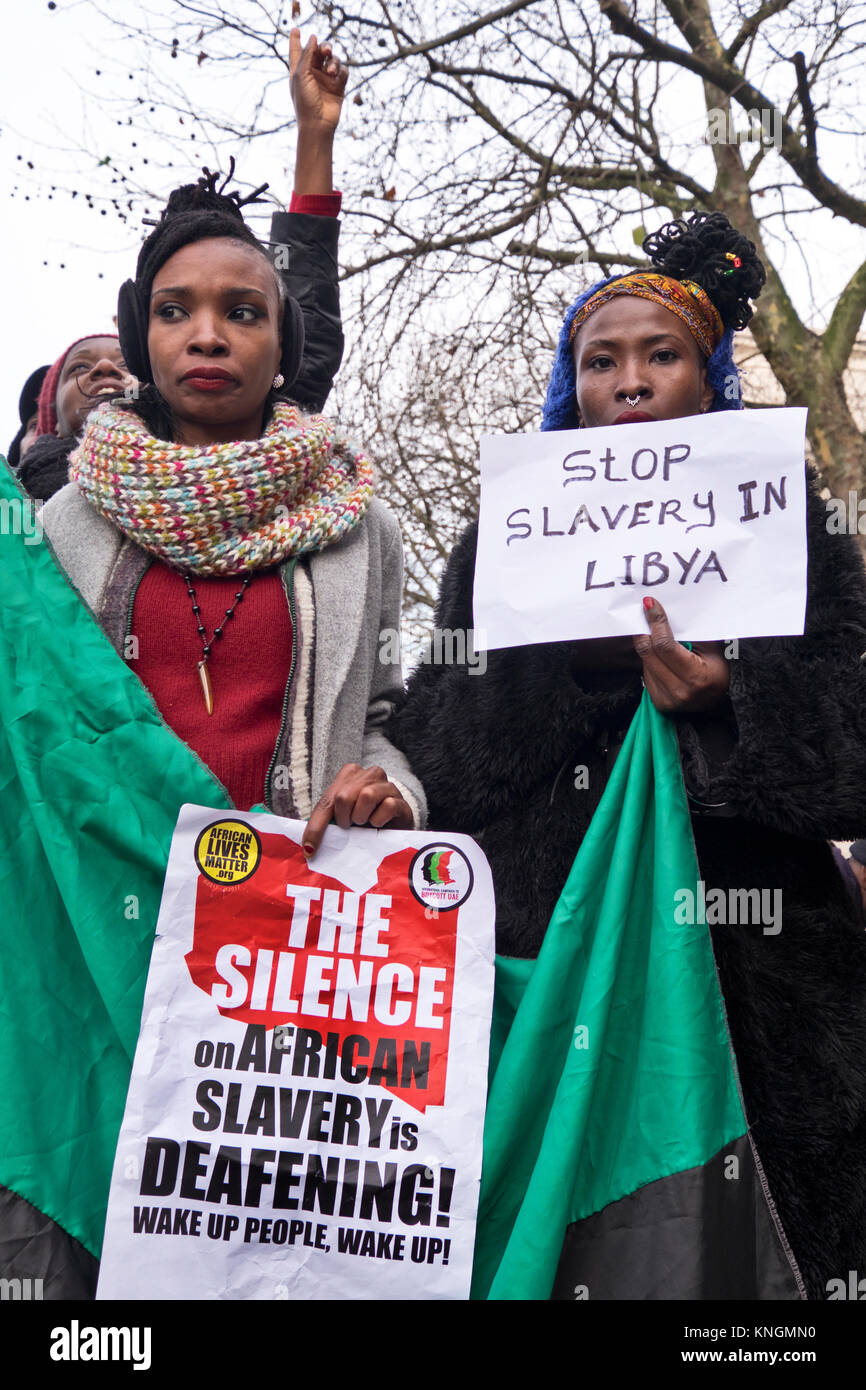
<point>203,672</point>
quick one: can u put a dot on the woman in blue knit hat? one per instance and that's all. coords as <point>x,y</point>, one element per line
<point>772,746</point>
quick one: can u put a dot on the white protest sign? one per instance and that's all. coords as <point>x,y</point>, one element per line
<point>706,513</point>
<point>305,1113</point>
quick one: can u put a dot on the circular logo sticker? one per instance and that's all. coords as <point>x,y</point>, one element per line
<point>441,876</point>
<point>228,851</point>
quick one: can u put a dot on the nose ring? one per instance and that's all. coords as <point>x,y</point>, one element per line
<point>632,403</point>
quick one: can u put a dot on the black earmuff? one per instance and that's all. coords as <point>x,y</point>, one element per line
<point>292,341</point>
<point>132,332</point>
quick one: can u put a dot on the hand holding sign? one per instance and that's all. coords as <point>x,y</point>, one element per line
<point>358,796</point>
<point>575,525</point>
<point>677,679</point>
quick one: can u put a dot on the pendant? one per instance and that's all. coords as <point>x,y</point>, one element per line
<point>206,687</point>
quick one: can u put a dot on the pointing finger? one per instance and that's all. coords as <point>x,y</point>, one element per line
<point>317,825</point>
<point>294,49</point>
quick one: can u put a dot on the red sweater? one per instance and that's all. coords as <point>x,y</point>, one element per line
<point>238,740</point>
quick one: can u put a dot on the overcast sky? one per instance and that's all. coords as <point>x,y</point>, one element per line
<point>47,307</point>
<point>64,77</point>
<point>64,262</point>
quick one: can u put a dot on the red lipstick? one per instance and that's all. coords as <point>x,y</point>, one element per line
<point>634,417</point>
<point>209,379</point>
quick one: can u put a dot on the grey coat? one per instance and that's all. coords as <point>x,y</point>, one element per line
<point>345,603</point>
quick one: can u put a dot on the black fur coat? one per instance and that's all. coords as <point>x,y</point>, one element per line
<point>500,757</point>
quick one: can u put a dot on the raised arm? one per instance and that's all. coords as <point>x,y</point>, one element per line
<point>318,85</point>
<point>304,240</point>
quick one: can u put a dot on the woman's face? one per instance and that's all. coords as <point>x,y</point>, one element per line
<point>93,368</point>
<point>635,348</point>
<point>214,339</point>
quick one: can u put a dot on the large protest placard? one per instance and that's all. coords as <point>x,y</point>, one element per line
<point>305,1113</point>
<point>706,513</point>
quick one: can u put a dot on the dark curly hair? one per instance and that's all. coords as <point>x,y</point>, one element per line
<point>697,248</point>
<point>193,212</point>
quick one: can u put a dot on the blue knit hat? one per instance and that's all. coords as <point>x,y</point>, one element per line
<point>560,405</point>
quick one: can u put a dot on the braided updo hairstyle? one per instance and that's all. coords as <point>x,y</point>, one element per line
<point>691,248</point>
<point>697,248</point>
<point>194,212</point>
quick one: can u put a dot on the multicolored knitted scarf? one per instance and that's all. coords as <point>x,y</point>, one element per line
<point>684,298</point>
<point>224,508</point>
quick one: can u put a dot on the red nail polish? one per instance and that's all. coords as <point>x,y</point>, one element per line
<point>648,602</point>
<point>308,849</point>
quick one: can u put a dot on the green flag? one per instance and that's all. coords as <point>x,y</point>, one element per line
<point>91,781</point>
<point>616,1153</point>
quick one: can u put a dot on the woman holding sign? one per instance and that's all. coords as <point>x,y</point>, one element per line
<point>771,737</point>
<point>232,552</point>
<point>230,544</point>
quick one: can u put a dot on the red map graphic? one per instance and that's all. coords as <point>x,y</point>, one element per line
<point>398,958</point>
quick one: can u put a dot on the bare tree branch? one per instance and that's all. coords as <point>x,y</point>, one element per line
<point>749,27</point>
<point>496,162</point>
<point>412,50</point>
<point>841,332</point>
<point>731,81</point>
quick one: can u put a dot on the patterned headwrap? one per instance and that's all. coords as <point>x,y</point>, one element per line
<point>681,297</point>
